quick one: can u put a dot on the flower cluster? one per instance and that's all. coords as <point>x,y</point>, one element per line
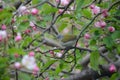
<point>28,61</point>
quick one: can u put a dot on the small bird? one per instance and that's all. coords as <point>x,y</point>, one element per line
<point>67,39</point>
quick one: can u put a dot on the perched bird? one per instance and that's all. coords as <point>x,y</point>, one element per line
<point>67,39</point>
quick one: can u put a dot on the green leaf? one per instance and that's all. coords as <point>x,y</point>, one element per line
<point>26,41</point>
<point>116,35</point>
<point>47,9</point>
<point>48,64</point>
<point>24,76</point>
<point>92,42</point>
<point>79,4</point>
<point>58,69</point>
<point>62,26</point>
<point>108,41</point>
<point>15,50</point>
<point>87,13</point>
<point>36,1</point>
<point>115,76</point>
<point>94,60</point>
<point>118,49</point>
<point>5,16</point>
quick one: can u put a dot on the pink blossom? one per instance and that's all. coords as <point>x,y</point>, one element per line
<point>87,36</point>
<point>18,38</point>
<point>59,54</point>
<point>36,69</point>
<point>34,28</point>
<point>51,52</point>
<point>31,53</point>
<point>17,65</point>
<point>63,2</point>
<point>86,44</point>
<point>27,31</point>
<point>22,9</point>
<point>105,13</point>
<point>92,6</point>
<point>97,24</point>
<point>32,24</point>
<point>96,10</point>
<point>28,62</point>
<point>34,11</point>
<point>60,11</point>
<point>102,24</point>
<point>57,1</point>
<point>16,55</point>
<point>3,27</point>
<point>112,68</point>
<point>111,29</point>
<point>3,34</point>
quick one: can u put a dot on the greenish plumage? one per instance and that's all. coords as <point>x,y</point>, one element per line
<point>68,37</point>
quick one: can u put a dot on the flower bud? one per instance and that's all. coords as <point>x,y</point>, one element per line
<point>92,6</point>
<point>105,13</point>
<point>112,68</point>
<point>18,38</point>
<point>17,65</point>
<point>60,11</point>
<point>102,24</point>
<point>87,36</point>
<point>31,53</point>
<point>34,11</point>
<point>16,55</point>
<point>35,69</point>
<point>111,29</point>
<point>97,24</point>
<point>3,27</point>
<point>96,10</point>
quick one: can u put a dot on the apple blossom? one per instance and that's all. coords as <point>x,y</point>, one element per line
<point>92,6</point>
<point>18,37</point>
<point>51,52</point>
<point>31,53</point>
<point>34,11</point>
<point>27,31</point>
<point>34,73</point>
<point>97,24</point>
<point>34,28</point>
<point>16,55</point>
<point>105,13</point>
<point>112,68</point>
<point>111,29</point>
<point>36,69</point>
<point>3,34</point>
<point>59,54</point>
<point>95,9</point>
<point>28,62</point>
<point>102,24</point>
<point>57,1</point>
<point>87,36</point>
<point>32,24</point>
<point>17,65</point>
<point>22,8</point>
<point>63,2</point>
<point>3,27</point>
<point>60,11</point>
